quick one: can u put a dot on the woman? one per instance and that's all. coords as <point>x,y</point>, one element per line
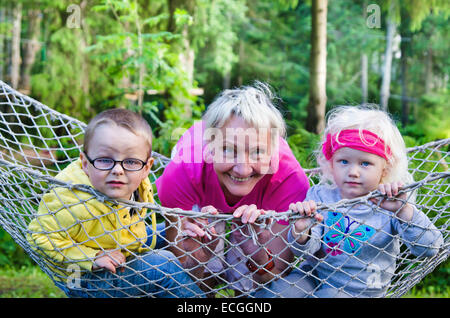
<point>236,161</point>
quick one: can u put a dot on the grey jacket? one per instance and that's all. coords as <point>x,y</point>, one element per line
<point>357,246</point>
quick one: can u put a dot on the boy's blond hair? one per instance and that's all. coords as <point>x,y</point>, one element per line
<point>123,118</point>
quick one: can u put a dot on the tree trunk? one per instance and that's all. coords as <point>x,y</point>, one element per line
<point>318,68</point>
<point>364,66</point>
<point>125,82</point>
<point>429,71</point>
<point>32,46</point>
<point>187,57</point>
<point>15,45</point>
<point>240,80</point>
<point>404,48</point>
<point>85,82</point>
<point>364,78</point>
<point>387,66</point>
<point>2,45</point>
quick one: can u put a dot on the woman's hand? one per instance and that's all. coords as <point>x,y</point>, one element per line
<point>198,236</point>
<point>248,214</point>
<point>197,227</point>
<point>306,209</point>
<point>403,211</point>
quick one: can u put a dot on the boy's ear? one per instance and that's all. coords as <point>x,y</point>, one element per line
<point>84,162</point>
<point>150,162</point>
<point>149,165</point>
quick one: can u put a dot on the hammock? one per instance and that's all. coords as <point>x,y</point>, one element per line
<point>37,142</point>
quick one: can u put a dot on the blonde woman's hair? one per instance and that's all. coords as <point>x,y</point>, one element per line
<point>254,104</point>
<point>367,117</point>
<point>123,118</point>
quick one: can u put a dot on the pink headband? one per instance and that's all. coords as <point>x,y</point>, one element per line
<point>351,138</point>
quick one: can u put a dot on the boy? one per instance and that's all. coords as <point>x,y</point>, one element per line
<point>73,228</point>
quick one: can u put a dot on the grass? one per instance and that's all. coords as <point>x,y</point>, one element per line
<point>434,285</point>
<point>27,282</point>
<point>31,282</point>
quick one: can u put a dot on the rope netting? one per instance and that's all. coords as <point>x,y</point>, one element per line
<point>37,142</point>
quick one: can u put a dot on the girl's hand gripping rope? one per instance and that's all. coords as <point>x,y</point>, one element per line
<point>394,202</point>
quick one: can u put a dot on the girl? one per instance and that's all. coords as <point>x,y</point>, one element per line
<point>361,151</point>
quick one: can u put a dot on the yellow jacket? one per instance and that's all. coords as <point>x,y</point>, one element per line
<point>72,226</point>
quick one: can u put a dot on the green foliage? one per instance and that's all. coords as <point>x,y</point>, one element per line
<point>11,254</point>
<point>27,282</point>
<point>215,33</point>
<point>432,121</point>
<point>435,285</point>
<point>303,144</point>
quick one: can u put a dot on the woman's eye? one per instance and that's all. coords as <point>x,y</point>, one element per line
<point>228,151</point>
<point>258,152</point>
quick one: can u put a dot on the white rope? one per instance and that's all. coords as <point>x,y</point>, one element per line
<point>37,142</point>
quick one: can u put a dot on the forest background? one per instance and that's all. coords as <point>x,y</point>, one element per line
<point>168,59</point>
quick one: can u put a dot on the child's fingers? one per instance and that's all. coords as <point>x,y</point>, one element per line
<point>394,188</point>
<point>403,195</point>
<point>114,261</point>
<point>388,188</point>
<point>119,259</point>
<point>318,217</point>
<point>119,256</point>
<point>298,207</point>
<point>111,267</point>
<point>382,189</point>
<point>307,207</point>
<point>108,264</point>
<point>312,206</point>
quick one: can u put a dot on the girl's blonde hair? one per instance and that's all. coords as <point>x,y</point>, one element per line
<point>251,103</point>
<point>367,117</point>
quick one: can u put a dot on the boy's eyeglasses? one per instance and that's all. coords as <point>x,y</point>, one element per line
<point>129,164</point>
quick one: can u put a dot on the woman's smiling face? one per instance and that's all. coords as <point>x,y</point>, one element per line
<point>242,157</point>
